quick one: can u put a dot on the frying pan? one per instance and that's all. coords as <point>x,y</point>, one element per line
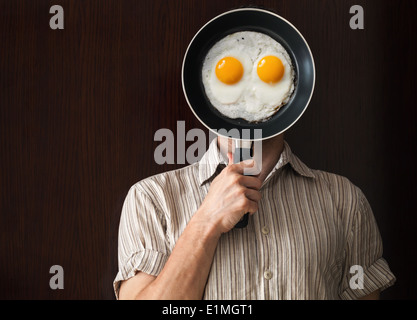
<point>258,20</point>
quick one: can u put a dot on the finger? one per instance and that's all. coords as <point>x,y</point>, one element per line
<point>253,195</point>
<point>252,207</point>
<point>245,205</point>
<point>250,182</point>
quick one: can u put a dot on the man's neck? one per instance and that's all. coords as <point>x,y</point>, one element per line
<point>271,152</point>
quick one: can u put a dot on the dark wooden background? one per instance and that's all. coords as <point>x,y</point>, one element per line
<point>79,108</point>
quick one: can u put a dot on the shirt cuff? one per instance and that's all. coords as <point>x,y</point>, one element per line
<point>148,261</point>
<point>378,276</point>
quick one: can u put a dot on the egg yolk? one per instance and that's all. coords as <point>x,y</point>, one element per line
<point>229,70</point>
<point>270,69</point>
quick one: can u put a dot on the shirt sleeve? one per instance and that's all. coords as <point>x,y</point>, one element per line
<point>365,270</point>
<point>142,243</point>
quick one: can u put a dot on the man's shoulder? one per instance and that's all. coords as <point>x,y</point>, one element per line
<point>343,190</point>
<point>165,181</point>
<point>332,179</point>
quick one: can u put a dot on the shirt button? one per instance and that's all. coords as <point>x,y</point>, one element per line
<point>267,274</point>
<point>265,230</point>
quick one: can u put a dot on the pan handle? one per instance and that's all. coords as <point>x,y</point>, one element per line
<point>242,152</point>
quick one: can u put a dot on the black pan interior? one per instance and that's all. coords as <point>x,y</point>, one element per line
<point>248,20</point>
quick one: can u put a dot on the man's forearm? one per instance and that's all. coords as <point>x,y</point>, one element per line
<point>184,276</point>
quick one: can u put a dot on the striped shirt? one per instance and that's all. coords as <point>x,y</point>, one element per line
<point>313,234</point>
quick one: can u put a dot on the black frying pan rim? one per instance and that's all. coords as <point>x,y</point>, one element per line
<point>240,124</point>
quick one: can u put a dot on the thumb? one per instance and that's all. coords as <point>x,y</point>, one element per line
<point>230,157</point>
<point>244,166</point>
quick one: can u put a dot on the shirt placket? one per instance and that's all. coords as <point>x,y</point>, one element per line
<point>267,241</point>
<point>262,230</point>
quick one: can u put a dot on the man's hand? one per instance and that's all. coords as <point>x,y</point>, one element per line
<point>231,195</point>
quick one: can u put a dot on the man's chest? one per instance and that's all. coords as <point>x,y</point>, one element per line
<point>292,248</point>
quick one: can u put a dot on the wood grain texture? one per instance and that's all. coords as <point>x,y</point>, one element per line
<point>79,108</point>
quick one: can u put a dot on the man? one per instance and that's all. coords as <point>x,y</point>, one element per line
<point>307,228</point>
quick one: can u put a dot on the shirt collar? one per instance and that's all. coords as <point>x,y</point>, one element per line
<point>213,160</point>
<point>210,161</point>
<point>287,157</point>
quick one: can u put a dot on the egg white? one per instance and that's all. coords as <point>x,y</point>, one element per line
<point>251,98</point>
<point>273,95</point>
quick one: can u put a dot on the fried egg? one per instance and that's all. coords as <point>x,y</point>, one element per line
<point>248,75</point>
<point>229,76</point>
